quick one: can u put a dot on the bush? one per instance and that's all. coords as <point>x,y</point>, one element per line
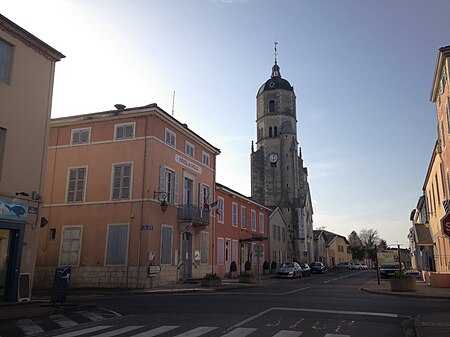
<point>273,265</point>
<point>248,266</point>
<point>233,266</point>
<point>266,265</point>
<point>402,275</point>
<point>211,276</point>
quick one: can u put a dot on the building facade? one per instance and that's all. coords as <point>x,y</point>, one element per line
<point>124,197</point>
<point>332,248</point>
<point>27,68</point>
<point>440,180</point>
<point>279,236</point>
<point>241,232</point>
<point>278,177</point>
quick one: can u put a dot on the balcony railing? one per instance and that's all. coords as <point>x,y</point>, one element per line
<point>197,215</point>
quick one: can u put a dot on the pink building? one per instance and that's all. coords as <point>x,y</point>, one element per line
<point>241,232</point>
<point>124,198</point>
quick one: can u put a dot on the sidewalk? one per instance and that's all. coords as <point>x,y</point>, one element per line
<point>425,325</point>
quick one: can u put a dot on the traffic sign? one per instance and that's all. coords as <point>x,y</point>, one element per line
<point>445,223</point>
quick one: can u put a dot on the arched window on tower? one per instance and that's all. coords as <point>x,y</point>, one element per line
<point>275,131</point>
<point>270,131</point>
<point>271,105</point>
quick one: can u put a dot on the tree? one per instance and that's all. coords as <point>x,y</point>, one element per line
<point>356,246</point>
<point>370,239</point>
<point>382,245</point>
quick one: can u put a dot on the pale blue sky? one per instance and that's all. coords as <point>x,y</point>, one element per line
<point>361,70</point>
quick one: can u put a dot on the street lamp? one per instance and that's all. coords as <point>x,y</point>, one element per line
<point>161,197</point>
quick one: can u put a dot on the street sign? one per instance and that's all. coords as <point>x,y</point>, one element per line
<point>146,227</point>
<point>445,223</point>
<point>305,253</point>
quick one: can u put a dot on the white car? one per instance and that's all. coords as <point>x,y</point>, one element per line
<point>357,266</point>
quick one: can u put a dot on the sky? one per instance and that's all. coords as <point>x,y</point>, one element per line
<point>361,70</point>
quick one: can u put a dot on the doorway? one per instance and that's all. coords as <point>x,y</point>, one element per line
<point>186,256</point>
<point>6,261</point>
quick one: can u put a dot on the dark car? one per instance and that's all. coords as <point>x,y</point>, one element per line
<point>289,269</point>
<point>389,269</point>
<point>306,270</point>
<point>317,267</point>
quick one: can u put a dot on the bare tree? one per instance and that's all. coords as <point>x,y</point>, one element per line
<point>356,246</point>
<point>370,239</point>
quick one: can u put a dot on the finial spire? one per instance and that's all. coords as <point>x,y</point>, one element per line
<point>275,47</point>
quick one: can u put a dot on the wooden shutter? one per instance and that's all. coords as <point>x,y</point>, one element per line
<point>117,245</point>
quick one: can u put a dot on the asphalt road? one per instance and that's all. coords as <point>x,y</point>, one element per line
<point>329,305</point>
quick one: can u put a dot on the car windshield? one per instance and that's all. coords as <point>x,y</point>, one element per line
<point>389,266</point>
<point>287,264</point>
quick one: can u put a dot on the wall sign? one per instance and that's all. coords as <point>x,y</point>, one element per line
<point>188,164</point>
<point>13,210</point>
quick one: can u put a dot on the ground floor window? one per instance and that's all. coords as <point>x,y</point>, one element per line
<point>117,247</point>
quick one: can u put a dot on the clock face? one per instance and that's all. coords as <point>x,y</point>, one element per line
<point>273,157</point>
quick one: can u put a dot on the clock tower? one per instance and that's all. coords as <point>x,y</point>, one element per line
<point>278,178</point>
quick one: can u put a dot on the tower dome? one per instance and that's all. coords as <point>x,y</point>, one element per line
<point>275,81</point>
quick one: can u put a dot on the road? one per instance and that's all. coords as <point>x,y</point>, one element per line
<point>329,305</point>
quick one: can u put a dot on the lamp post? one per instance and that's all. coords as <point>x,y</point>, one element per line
<point>162,196</point>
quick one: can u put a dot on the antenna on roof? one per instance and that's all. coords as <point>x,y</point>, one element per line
<point>173,102</point>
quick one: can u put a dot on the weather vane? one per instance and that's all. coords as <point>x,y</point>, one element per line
<point>275,47</point>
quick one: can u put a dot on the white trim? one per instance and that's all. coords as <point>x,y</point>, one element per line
<point>186,146</point>
<point>206,154</point>
<point>234,206</point>
<point>80,130</point>
<point>172,133</point>
<point>107,241</point>
<point>221,217</point>
<point>246,218</point>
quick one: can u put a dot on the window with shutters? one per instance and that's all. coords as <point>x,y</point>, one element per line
<point>76,184</point>
<point>117,245</point>
<point>166,245</point>
<point>205,158</point>
<point>121,182</point>
<point>168,183</point>
<point>70,246</point>
<point>205,198</point>
<point>261,223</point>
<point>274,232</point>
<point>190,149</point>
<point>220,210</point>
<point>124,131</point>
<point>6,51</point>
<point>220,251</point>
<point>204,248</point>
<point>253,220</point>
<point>171,138</point>
<point>81,136</point>
<point>234,208</point>
<point>234,251</point>
<point>243,217</point>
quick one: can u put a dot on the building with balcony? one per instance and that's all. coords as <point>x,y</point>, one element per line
<point>241,232</point>
<point>125,199</point>
<point>27,68</point>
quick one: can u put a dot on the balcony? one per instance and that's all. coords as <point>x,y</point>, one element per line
<point>197,216</point>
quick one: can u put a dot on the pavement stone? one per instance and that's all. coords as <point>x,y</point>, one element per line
<point>424,325</point>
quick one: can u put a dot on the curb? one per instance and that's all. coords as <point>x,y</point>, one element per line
<point>379,292</point>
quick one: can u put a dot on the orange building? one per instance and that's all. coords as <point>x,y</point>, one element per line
<point>241,231</point>
<point>124,198</point>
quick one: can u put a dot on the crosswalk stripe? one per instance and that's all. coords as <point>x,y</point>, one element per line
<point>28,327</point>
<point>239,332</point>
<point>62,321</point>
<point>157,331</point>
<point>288,333</point>
<point>84,331</point>
<point>120,331</point>
<point>334,335</point>
<point>197,331</point>
<point>93,316</point>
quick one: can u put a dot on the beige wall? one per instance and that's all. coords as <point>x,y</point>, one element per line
<point>337,252</point>
<point>25,106</point>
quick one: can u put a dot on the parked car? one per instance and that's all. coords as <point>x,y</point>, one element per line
<point>289,270</point>
<point>357,266</point>
<point>306,270</point>
<point>343,265</point>
<point>364,266</point>
<point>317,267</point>
<point>389,269</point>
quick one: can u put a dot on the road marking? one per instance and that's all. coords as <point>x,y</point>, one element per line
<point>334,335</point>
<point>237,325</point>
<point>327,281</point>
<point>157,331</point>
<point>361,313</point>
<point>240,332</point>
<point>197,331</point>
<point>120,331</point>
<point>93,316</point>
<point>28,327</point>
<point>84,331</point>
<point>62,321</point>
<point>294,291</point>
<point>287,333</point>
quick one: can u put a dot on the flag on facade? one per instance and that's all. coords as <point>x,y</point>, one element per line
<point>446,204</point>
<point>214,204</point>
